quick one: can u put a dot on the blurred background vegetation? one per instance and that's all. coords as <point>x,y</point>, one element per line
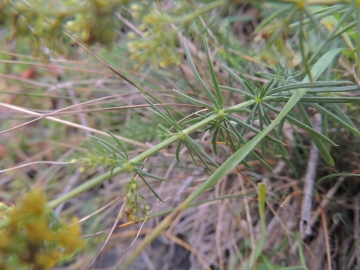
<point>58,54</point>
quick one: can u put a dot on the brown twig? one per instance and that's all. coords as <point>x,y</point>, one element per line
<point>42,116</point>
<point>109,235</point>
<point>326,236</point>
<point>309,179</point>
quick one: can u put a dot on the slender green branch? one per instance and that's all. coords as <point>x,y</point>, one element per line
<point>102,178</point>
<point>223,170</point>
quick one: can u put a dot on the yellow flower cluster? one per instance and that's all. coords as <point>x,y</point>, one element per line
<point>41,23</point>
<point>136,206</point>
<point>32,238</point>
<point>159,41</point>
<point>97,23</point>
<point>97,159</point>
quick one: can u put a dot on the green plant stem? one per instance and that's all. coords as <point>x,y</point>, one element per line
<point>223,170</point>
<point>235,159</point>
<point>100,179</point>
<point>302,49</point>
<point>188,18</point>
<point>260,245</point>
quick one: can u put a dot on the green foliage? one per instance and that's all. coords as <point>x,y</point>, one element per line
<point>247,116</point>
<point>160,31</point>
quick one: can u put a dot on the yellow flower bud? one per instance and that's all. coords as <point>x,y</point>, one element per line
<point>82,169</point>
<point>131,44</point>
<point>143,45</point>
<point>132,49</point>
<point>70,25</point>
<point>131,35</point>
<point>136,15</point>
<point>163,64</point>
<point>134,57</point>
<point>85,34</point>
<point>142,27</point>
<point>300,4</point>
<point>135,7</point>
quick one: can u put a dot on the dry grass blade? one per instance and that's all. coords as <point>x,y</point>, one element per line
<point>108,237</point>
<point>188,247</point>
<point>47,116</point>
<point>100,209</point>
<point>103,62</point>
<point>326,236</point>
<point>123,108</point>
<point>36,162</point>
<point>56,66</point>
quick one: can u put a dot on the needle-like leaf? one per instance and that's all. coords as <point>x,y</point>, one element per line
<point>149,186</point>
<point>197,76</point>
<point>220,101</point>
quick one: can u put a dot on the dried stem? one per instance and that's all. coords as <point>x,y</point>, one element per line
<point>326,236</point>
<point>306,207</point>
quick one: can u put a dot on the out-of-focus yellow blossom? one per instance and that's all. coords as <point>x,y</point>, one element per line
<point>69,238</point>
<point>90,21</point>
<point>159,42</point>
<point>142,27</point>
<point>37,231</point>
<point>135,7</point>
<point>131,35</point>
<point>136,15</point>
<point>33,202</point>
<point>32,238</point>
<point>47,260</point>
